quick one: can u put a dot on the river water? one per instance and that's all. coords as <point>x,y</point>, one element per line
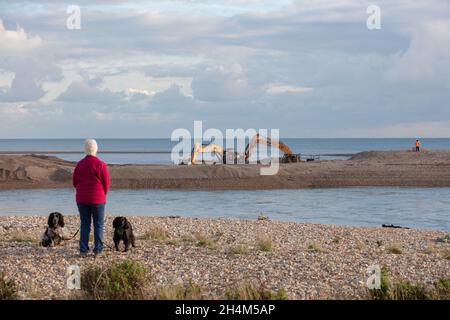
<point>412,207</point>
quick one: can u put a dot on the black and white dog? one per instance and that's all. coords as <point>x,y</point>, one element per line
<point>123,231</point>
<point>54,233</point>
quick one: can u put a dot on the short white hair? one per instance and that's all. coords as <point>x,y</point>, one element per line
<point>90,147</point>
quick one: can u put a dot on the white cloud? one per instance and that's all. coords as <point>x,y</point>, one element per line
<point>309,68</point>
<point>16,41</point>
<point>22,55</point>
<point>222,83</point>
<point>427,58</point>
<point>82,91</point>
<point>133,91</point>
<point>278,88</point>
<point>422,129</point>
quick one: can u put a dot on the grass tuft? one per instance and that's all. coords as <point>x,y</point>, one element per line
<point>264,243</point>
<point>429,250</point>
<point>314,247</point>
<point>405,290</point>
<point>239,249</point>
<point>189,291</point>
<point>158,233</point>
<point>120,281</point>
<point>394,249</point>
<point>8,288</point>
<point>17,235</point>
<point>172,242</point>
<point>446,254</point>
<point>204,241</point>
<point>442,289</point>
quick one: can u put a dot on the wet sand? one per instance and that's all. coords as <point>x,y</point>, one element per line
<point>376,168</point>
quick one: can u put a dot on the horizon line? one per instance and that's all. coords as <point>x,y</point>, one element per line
<point>168,138</point>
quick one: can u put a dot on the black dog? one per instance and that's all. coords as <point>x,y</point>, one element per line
<point>123,231</point>
<point>54,233</point>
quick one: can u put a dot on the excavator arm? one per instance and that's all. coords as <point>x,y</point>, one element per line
<point>257,139</point>
<point>211,148</point>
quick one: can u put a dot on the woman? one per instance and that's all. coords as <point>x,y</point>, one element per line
<point>91,181</point>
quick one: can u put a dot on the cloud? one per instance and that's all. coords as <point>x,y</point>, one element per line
<point>85,92</point>
<point>307,67</point>
<point>278,88</point>
<point>24,56</point>
<point>429,129</point>
<point>134,92</point>
<point>88,96</point>
<point>222,83</point>
<point>427,58</point>
<point>16,41</point>
<point>23,88</point>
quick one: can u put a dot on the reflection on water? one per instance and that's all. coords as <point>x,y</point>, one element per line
<point>420,208</point>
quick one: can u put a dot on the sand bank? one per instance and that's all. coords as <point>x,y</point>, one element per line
<point>376,168</point>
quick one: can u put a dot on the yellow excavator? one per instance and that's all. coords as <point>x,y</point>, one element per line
<point>209,148</point>
<point>288,155</point>
<point>225,156</point>
<point>231,156</point>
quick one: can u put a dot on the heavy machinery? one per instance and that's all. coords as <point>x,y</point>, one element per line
<point>288,156</point>
<point>231,156</point>
<point>225,156</point>
<point>210,148</point>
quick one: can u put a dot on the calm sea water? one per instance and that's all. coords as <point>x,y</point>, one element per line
<point>159,150</point>
<point>418,208</point>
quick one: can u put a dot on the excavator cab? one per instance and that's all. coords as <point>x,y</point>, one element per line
<point>290,158</point>
<point>230,156</point>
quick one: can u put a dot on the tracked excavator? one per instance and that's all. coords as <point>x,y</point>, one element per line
<point>225,156</point>
<point>231,156</point>
<point>288,155</point>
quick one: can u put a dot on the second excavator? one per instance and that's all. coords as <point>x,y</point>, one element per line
<point>288,155</point>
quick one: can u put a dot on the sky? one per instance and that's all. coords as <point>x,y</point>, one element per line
<point>141,69</point>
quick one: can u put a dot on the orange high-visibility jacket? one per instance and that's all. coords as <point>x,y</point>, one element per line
<point>417,143</point>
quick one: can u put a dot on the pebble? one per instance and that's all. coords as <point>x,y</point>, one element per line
<point>337,271</point>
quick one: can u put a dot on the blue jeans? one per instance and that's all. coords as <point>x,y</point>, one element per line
<point>87,213</point>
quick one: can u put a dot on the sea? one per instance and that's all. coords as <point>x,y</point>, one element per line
<point>159,151</point>
<point>427,208</point>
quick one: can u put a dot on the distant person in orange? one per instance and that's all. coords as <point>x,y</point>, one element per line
<point>417,145</point>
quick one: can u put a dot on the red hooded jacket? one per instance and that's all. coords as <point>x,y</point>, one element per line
<point>91,180</point>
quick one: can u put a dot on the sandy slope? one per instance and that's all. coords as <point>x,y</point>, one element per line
<point>375,168</point>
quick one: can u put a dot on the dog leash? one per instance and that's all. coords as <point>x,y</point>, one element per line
<point>106,245</point>
<point>75,234</point>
